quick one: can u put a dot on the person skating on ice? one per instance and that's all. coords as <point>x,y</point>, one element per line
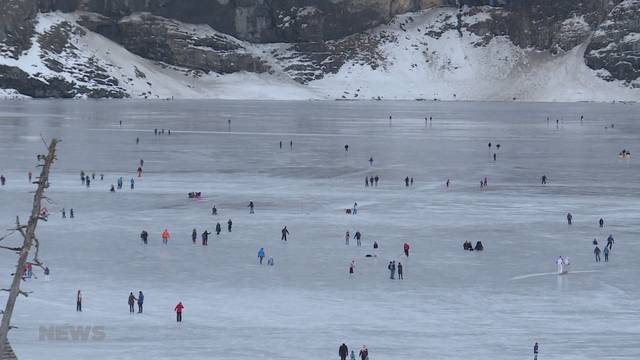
<point>610,242</point>
<point>178,309</point>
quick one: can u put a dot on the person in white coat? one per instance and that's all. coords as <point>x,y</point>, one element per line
<point>560,263</point>
<point>565,265</point>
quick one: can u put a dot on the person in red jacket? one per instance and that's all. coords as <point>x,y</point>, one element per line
<point>406,249</point>
<point>178,310</point>
<point>165,236</point>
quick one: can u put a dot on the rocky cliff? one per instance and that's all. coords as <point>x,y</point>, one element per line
<point>301,41</point>
<point>255,20</point>
<point>615,45</point>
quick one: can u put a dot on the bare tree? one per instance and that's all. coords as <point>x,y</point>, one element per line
<point>28,234</point>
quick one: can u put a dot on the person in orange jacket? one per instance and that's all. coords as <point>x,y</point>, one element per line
<point>165,236</point>
<point>406,249</point>
<point>178,310</point>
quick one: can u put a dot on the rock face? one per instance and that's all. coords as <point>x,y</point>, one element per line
<point>258,20</point>
<point>546,24</point>
<point>62,74</point>
<point>16,26</point>
<point>251,20</point>
<point>309,61</point>
<point>615,46</point>
<point>157,38</point>
<point>300,40</point>
<point>562,25</point>
<point>14,78</point>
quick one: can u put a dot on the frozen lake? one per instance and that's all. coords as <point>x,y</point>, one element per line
<point>453,304</point>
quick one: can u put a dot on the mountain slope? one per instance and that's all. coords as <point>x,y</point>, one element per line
<point>434,54</point>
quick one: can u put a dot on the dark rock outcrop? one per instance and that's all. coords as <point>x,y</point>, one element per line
<point>251,20</point>
<point>53,87</point>
<point>545,24</point>
<point>313,60</point>
<point>615,46</point>
<point>68,75</point>
<point>258,20</point>
<point>14,78</point>
<point>164,40</point>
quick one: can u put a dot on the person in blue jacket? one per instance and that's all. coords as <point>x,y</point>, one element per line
<point>261,255</point>
<point>140,301</point>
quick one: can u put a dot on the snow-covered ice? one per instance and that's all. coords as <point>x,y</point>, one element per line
<point>452,304</point>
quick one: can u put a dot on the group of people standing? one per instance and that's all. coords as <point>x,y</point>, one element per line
<point>606,251</point>
<point>357,237</point>
<point>596,250</point>
<point>262,254</point>
<point>408,181</point>
<point>290,144</point>
<point>86,180</point>
<point>132,301</point>
<point>563,264</point>
<point>467,245</point>
<point>165,235</point>
<point>392,267</point>
<point>495,154</point>
<point>343,353</point>
<point>120,184</point>
<point>158,132</point>
<point>371,181</point>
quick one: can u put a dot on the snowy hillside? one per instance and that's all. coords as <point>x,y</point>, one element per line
<point>425,55</point>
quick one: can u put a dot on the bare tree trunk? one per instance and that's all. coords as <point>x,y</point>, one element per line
<point>28,232</point>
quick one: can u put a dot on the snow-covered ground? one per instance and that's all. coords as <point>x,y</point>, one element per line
<point>453,67</point>
<point>11,94</point>
<point>415,66</point>
<point>452,304</point>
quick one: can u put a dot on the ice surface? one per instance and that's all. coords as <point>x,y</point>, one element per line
<point>452,305</point>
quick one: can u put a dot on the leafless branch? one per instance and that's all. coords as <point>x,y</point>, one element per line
<point>12,231</point>
<point>28,234</point>
<point>36,261</point>
<point>16,249</point>
<point>23,293</point>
